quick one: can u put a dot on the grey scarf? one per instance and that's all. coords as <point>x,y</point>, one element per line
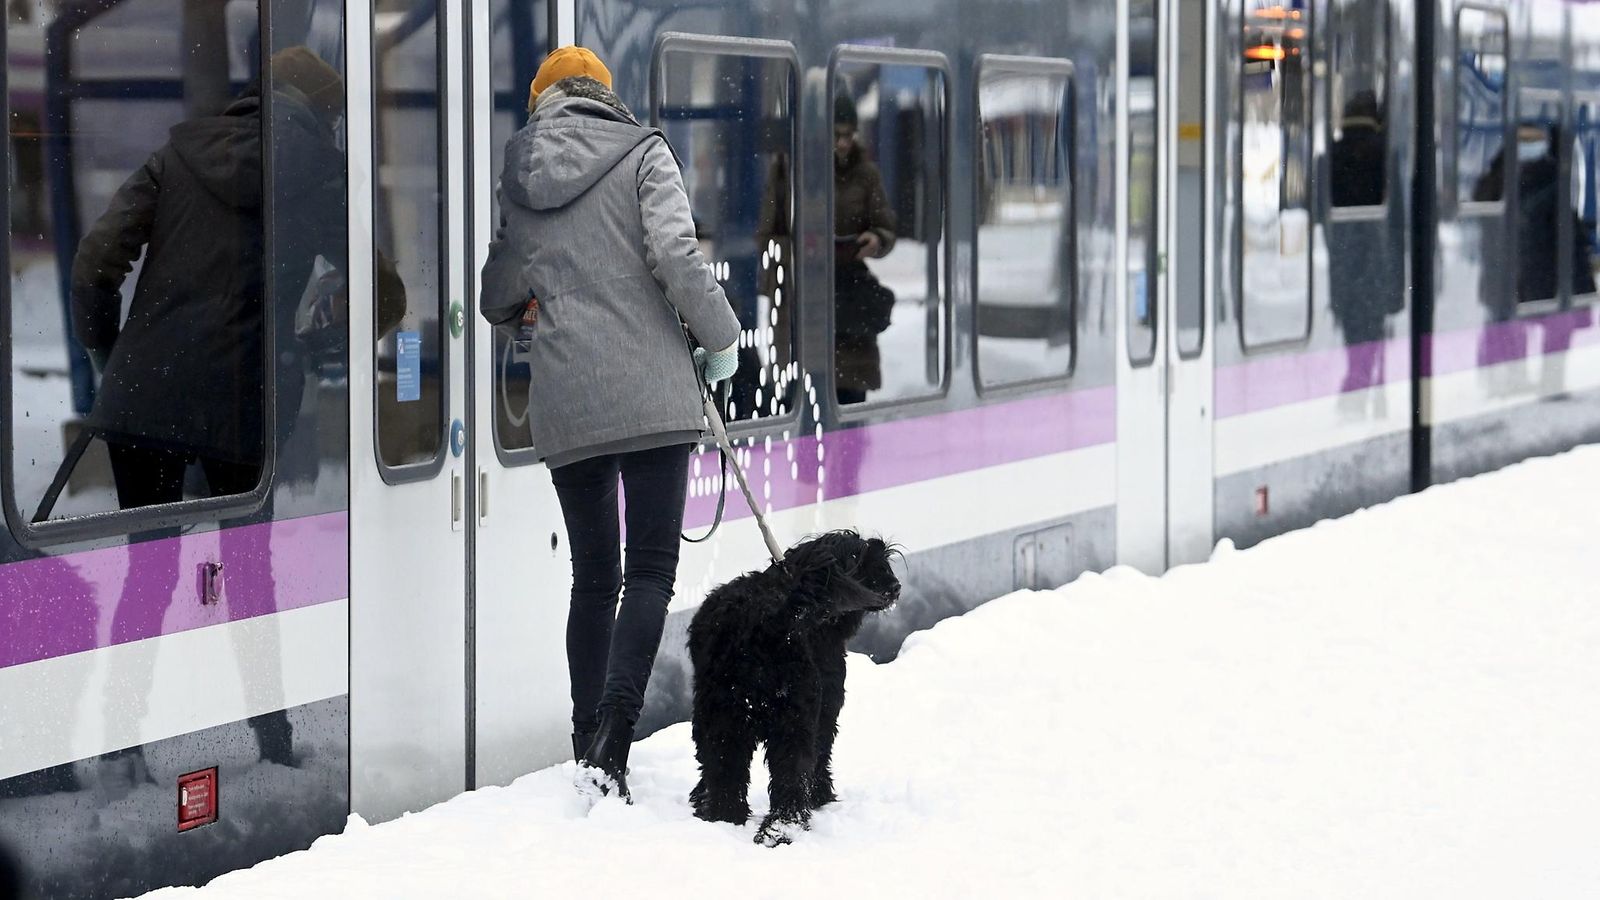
<point>583,87</point>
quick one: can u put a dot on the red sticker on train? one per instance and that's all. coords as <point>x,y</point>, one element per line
<point>197,799</point>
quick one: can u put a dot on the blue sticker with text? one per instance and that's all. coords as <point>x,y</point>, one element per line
<point>1141,298</point>
<point>408,366</point>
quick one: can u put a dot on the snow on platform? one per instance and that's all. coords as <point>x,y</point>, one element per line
<point>1401,703</point>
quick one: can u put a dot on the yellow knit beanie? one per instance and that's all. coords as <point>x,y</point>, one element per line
<point>566,63</point>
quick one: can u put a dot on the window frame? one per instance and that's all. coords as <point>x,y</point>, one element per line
<point>1302,340</point>
<point>1467,208</point>
<point>935,61</point>
<point>1025,65</point>
<point>758,48</point>
<point>509,457</point>
<point>200,511</point>
<point>1367,212</point>
<point>423,470</point>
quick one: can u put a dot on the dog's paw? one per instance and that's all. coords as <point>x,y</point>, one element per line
<point>697,794</point>
<point>732,813</point>
<point>775,832</point>
<point>822,794</point>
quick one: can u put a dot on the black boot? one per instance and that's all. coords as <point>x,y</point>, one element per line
<point>275,737</point>
<point>580,743</point>
<point>609,752</point>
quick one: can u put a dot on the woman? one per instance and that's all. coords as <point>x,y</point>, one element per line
<point>596,260</point>
<point>863,229</point>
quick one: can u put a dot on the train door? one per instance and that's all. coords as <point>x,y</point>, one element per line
<point>1164,368</point>
<point>408,478</point>
<point>1190,471</point>
<point>520,700</point>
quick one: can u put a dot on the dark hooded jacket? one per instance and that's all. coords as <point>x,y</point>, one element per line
<point>1539,212</point>
<point>185,371</point>
<point>596,226</point>
<point>862,305</point>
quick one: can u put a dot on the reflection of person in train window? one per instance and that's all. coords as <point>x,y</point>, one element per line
<point>182,378</point>
<point>1363,297</point>
<point>863,228</point>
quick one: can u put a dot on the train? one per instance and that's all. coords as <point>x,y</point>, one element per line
<point>1165,273</point>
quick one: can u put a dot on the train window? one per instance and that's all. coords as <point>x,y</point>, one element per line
<point>408,237</point>
<point>1026,265</point>
<point>1541,200</point>
<point>518,35</point>
<point>728,110</point>
<point>1480,101</point>
<point>1142,183</point>
<point>1585,149</point>
<point>888,227</point>
<point>1190,206</point>
<point>1358,56</point>
<point>135,338</point>
<point>1275,218</point>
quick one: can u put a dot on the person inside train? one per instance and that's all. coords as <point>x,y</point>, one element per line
<point>1356,158</point>
<point>1539,213</point>
<point>1361,305</point>
<point>596,262</point>
<point>1540,209</point>
<point>864,228</point>
<point>183,376</point>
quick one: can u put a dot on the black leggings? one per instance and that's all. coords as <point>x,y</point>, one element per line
<point>145,476</point>
<point>609,655</point>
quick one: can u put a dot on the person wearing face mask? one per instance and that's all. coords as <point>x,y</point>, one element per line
<point>1539,212</point>
<point>863,229</point>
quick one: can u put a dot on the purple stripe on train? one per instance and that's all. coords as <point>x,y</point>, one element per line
<point>1501,342</point>
<point>68,604</point>
<point>790,474</point>
<point>60,605</point>
<point>1279,380</point>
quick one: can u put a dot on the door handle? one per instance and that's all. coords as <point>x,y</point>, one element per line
<point>457,499</point>
<point>483,497</point>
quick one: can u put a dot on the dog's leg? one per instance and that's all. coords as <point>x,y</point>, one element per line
<point>792,762</point>
<point>832,670</point>
<point>723,745</point>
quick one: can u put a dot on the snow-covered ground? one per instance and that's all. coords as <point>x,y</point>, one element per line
<point>1402,703</point>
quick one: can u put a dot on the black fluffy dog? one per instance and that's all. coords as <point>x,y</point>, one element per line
<point>769,663</point>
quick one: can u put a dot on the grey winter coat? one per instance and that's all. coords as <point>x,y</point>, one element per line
<point>595,224</point>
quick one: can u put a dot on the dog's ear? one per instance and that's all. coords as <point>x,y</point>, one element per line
<point>837,552</point>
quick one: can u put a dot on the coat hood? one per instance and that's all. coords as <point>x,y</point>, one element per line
<point>570,144</point>
<point>224,152</point>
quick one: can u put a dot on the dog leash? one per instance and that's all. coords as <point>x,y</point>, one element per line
<point>707,395</point>
<point>729,458</point>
